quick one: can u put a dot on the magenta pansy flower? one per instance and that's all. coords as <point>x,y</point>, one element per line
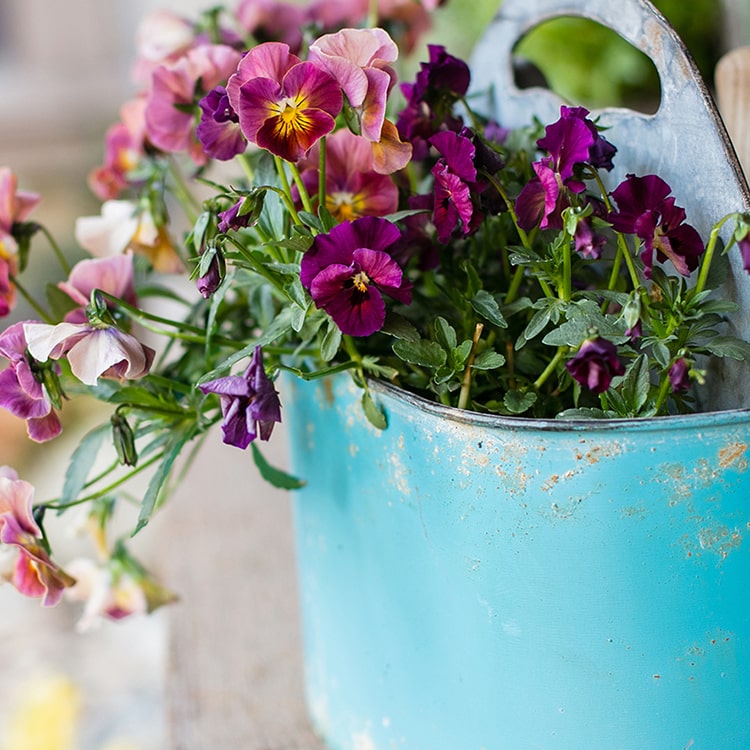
<point>268,19</point>
<point>646,209</point>
<point>93,352</point>
<point>348,270</point>
<point>21,393</point>
<point>595,364</point>
<point>360,60</point>
<point>285,106</point>
<point>170,116</point>
<point>34,574</point>
<point>250,405</point>
<point>353,188</point>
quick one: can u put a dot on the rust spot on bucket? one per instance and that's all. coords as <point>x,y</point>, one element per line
<point>734,453</point>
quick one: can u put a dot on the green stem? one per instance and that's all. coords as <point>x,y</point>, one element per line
<point>551,367</point>
<point>663,392</point>
<point>567,285</point>
<point>188,201</point>
<point>463,398</point>
<point>372,14</point>
<point>286,193</point>
<point>62,260</point>
<point>708,255</point>
<point>322,174</point>
<point>247,168</point>
<point>105,490</point>
<point>515,285</point>
<point>303,194</point>
<point>30,299</point>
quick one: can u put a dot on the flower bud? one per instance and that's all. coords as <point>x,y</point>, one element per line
<point>124,440</point>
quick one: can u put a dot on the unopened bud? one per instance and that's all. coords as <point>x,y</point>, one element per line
<point>124,440</point>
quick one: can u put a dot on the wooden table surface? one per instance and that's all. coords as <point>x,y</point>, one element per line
<point>234,672</point>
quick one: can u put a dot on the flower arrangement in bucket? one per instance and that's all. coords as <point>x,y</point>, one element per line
<point>331,219</point>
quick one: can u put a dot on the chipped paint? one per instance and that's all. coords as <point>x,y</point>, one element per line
<point>733,455</point>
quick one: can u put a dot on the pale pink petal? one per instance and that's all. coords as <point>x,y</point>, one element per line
<point>111,232</point>
<point>52,342</point>
<point>16,498</point>
<point>108,351</point>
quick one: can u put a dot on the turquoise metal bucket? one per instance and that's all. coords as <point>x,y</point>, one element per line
<point>479,583</point>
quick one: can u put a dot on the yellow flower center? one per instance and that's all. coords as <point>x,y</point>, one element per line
<point>342,206</point>
<point>360,281</point>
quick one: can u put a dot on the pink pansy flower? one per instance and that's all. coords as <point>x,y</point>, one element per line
<point>123,146</point>
<point>15,207</point>
<point>162,37</point>
<point>122,226</point>
<point>170,109</point>
<point>93,352</point>
<point>112,275</point>
<point>285,106</point>
<point>360,60</point>
<point>21,393</point>
<point>268,19</point>
<point>353,188</point>
<point>33,574</point>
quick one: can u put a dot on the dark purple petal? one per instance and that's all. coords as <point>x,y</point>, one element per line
<point>453,208</point>
<point>219,131</point>
<point>595,364</point>
<point>568,142</point>
<point>744,247</point>
<point>679,375</point>
<point>458,153</point>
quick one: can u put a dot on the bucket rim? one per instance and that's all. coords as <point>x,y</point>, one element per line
<point>695,420</point>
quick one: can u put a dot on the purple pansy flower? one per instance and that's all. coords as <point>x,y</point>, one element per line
<point>646,209</point>
<point>679,375</point>
<point>348,270</point>
<point>21,393</point>
<point>219,129</point>
<point>455,182</point>
<point>573,139</point>
<point>595,364</point>
<point>250,405</point>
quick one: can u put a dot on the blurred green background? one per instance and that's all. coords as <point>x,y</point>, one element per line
<point>587,63</point>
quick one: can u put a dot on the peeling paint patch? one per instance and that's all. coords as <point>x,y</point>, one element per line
<point>720,540</point>
<point>362,741</point>
<point>734,455</point>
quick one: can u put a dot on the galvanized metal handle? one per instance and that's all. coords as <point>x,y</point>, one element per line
<point>685,141</point>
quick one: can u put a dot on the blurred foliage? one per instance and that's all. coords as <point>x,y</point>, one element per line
<point>589,64</point>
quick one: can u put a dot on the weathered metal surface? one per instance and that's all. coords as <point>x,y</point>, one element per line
<point>685,141</point>
<point>478,582</point>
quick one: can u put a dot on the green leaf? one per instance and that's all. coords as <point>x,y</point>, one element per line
<point>272,475</point>
<point>331,342</point>
<point>536,325</point>
<point>81,462</point>
<point>445,334</point>
<point>373,412</point>
<point>488,360</point>
<point>460,353</point>
<point>486,305</point>
<point>158,481</point>
<point>399,327</point>
<point>423,352</point>
<point>636,383</point>
<point>729,346</point>
<point>517,402</point>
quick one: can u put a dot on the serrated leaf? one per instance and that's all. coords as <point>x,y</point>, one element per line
<point>486,305</point>
<point>273,475</point>
<point>375,415</point>
<point>331,342</point>
<point>81,462</point>
<point>729,346</point>
<point>422,352</point>
<point>445,334</point>
<point>399,327</point>
<point>636,383</point>
<point>536,325</point>
<point>488,360</point>
<point>460,353</point>
<point>517,402</point>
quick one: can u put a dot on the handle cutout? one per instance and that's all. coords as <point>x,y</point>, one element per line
<point>586,64</point>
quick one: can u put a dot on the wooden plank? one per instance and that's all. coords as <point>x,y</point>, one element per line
<point>732,81</point>
<point>234,672</point>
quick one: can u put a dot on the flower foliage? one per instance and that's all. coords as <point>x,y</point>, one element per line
<point>324,216</point>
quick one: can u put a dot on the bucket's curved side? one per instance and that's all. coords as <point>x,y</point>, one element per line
<point>470,587</point>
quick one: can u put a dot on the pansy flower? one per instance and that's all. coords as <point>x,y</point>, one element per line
<point>33,573</point>
<point>353,187</point>
<point>92,351</point>
<point>219,128</point>
<point>270,20</point>
<point>250,404</point>
<point>360,60</point>
<point>170,109</point>
<point>348,270</point>
<point>646,208</point>
<point>22,393</point>
<point>595,364</point>
<point>284,105</point>
<point>570,141</point>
